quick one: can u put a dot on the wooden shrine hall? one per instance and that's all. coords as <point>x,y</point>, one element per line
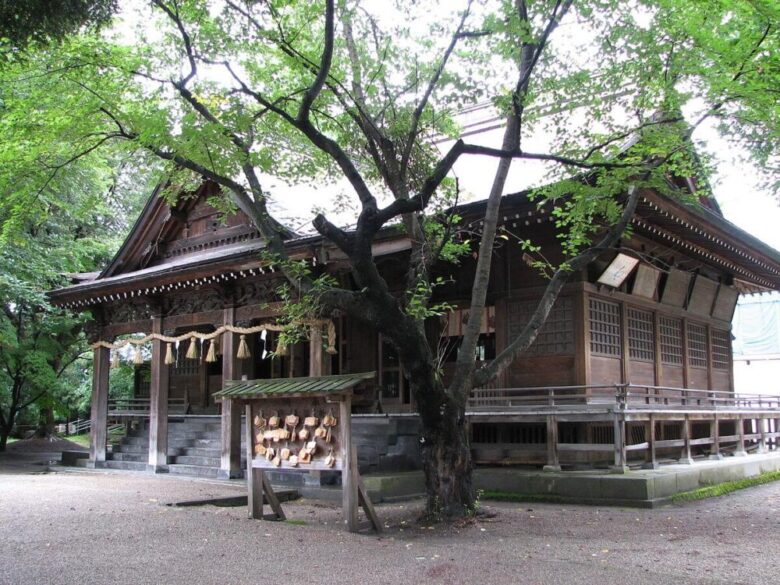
<point>634,364</point>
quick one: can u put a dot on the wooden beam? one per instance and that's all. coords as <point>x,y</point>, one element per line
<point>365,500</point>
<point>270,496</point>
<point>101,362</point>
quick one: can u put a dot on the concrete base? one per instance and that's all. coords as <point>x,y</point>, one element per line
<point>157,468</point>
<point>230,474</point>
<point>640,488</point>
<point>91,464</point>
<point>71,457</point>
<point>685,461</point>
<point>551,468</point>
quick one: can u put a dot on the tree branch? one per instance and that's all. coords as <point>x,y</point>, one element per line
<point>325,63</point>
<point>418,111</point>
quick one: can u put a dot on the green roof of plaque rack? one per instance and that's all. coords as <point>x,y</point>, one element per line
<point>281,387</point>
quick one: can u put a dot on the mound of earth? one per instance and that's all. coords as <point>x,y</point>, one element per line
<point>43,445</point>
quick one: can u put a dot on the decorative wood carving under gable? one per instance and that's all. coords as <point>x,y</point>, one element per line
<point>257,291</point>
<point>127,311</point>
<point>199,301</point>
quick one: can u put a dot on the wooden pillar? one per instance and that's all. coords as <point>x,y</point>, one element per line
<point>349,479</point>
<point>715,434</point>
<point>581,338</point>
<point>315,351</point>
<point>230,457</point>
<point>101,361</point>
<point>158,404</point>
<point>254,480</point>
<point>761,422</point>
<point>651,461</point>
<point>619,435</point>
<point>740,451</point>
<point>686,374</point>
<point>625,363</point>
<point>657,366</point>
<point>553,463</point>
<point>686,435</point>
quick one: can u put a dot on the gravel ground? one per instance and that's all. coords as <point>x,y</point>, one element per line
<point>103,527</point>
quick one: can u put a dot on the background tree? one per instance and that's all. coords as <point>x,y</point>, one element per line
<point>236,91</point>
<point>43,21</point>
<point>63,209</point>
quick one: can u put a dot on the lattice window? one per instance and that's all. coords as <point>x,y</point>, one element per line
<point>697,345</point>
<point>671,341</point>
<point>720,341</point>
<point>604,328</point>
<point>641,342</point>
<point>556,335</point>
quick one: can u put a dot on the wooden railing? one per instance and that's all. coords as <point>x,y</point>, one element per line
<point>618,396</point>
<point>632,414</point>
<point>142,406</point>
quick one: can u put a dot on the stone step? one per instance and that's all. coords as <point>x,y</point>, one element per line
<point>181,434</point>
<point>195,470</point>
<point>134,448</point>
<point>138,457</point>
<point>140,440</point>
<point>207,443</point>
<point>194,460</point>
<point>200,452</point>
<point>126,465</point>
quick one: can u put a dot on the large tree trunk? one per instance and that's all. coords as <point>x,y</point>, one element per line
<point>446,457</point>
<point>46,423</point>
<point>444,440</point>
<point>444,447</point>
<point>5,432</point>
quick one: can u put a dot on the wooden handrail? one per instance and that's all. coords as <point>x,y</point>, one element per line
<point>140,405</point>
<point>620,396</point>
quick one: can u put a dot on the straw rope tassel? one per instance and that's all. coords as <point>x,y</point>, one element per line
<point>169,354</point>
<point>243,349</point>
<point>211,356</point>
<point>115,359</point>
<point>331,349</point>
<point>138,359</point>
<point>192,350</point>
<point>281,348</point>
<point>217,345</point>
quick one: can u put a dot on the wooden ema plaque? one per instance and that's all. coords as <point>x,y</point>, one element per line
<point>299,434</point>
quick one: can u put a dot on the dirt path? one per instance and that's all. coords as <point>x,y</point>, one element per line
<point>115,528</point>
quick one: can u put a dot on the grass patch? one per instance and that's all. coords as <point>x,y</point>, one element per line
<point>295,522</point>
<point>518,497</point>
<point>721,489</point>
